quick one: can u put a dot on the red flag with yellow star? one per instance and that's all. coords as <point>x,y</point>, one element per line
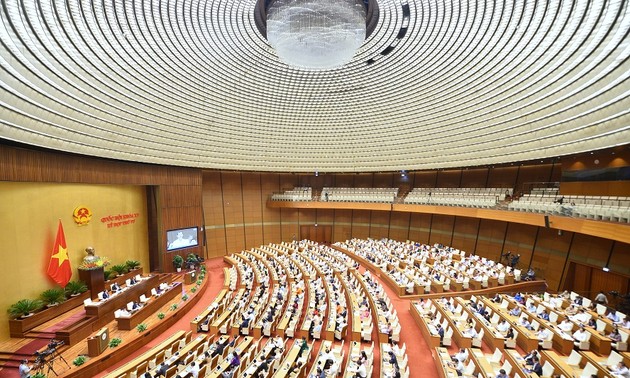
<point>59,268</point>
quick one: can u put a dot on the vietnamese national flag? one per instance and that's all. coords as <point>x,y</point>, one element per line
<point>59,268</point>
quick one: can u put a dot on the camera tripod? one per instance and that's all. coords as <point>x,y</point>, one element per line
<point>47,359</point>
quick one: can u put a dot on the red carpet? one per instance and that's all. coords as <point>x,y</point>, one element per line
<point>215,284</point>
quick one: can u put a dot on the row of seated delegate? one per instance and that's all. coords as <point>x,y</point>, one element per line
<point>306,272</point>
<point>548,326</point>
<point>413,268</point>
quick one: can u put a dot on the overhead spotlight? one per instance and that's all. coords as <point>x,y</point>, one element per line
<point>403,173</point>
<point>316,173</point>
<point>559,232</point>
<point>606,269</point>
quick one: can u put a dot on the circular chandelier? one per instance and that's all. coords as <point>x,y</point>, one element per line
<point>316,34</point>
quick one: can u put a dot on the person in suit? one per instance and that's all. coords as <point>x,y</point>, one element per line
<point>529,358</point>
<point>502,374</point>
<point>440,332</point>
<point>537,367</point>
<point>162,370</point>
<point>294,368</point>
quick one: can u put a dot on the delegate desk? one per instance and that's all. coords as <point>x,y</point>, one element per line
<point>458,335</point>
<point>598,343</point>
<point>445,370</point>
<point>195,323</point>
<point>518,364</point>
<point>104,310</point>
<point>290,359</point>
<point>432,338</point>
<point>243,346</point>
<point>130,322</point>
<point>559,363</point>
<point>491,335</point>
<point>526,339</point>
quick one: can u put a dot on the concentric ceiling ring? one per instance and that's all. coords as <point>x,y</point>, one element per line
<point>438,84</point>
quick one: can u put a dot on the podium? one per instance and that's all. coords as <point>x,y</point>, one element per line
<point>98,343</point>
<point>190,277</point>
<point>94,279</point>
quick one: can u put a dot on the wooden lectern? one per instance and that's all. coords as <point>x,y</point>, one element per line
<point>94,279</point>
<point>190,277</point>
<point>98,343</point>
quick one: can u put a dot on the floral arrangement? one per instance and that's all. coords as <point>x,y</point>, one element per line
<point>99,262</point>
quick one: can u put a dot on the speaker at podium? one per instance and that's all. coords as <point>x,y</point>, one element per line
<point>99,342</point>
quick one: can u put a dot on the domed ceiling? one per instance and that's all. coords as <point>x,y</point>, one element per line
<point>437,84</point>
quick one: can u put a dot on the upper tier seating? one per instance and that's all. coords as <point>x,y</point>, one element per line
<point>295,194</point>
<point>609,208</point>
<point>469,197</point>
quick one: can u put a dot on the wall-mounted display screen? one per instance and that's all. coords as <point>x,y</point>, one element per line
<point>182,238</point>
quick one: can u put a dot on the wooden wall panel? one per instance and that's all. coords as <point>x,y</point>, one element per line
<point>399,225</point>
<point>520,239</point>
<point>588,250</point>
<point>325,216</point>
<point>600,188</point>
<point>216,242</point>
<point>270,183</point>
<point>606,282</point>
<point>383,180</point>
<point>581,278</point>
<point>550,254</point>
<point>528,174</point>
<point>420,227</point>
<point>344,181</point>
<point>449,178</point>
<point>235,239</point>
<point>307,216</point>
<point>474,178</point>
<point>442,229</point>
<point>342,229</point>
<point>465,233</point>
<point>503,177</point>
<point>364,180</point>
<point>424,179</point>
<point>379,224</point>
<point>619,259</point>
<point>253,203</point>
<point>253,236</point>
<point>490,239</point>
<point>361,223</point>
<point>289,228</point>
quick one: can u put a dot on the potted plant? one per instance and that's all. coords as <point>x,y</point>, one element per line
<point>74,288</point>
<point>24,308</point>
<point>53,297</point>
<point>132,264</point>
<point>178,262</point>
<point>108,274</point>
<point>120,269</point>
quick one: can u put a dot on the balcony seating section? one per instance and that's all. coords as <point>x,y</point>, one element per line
<point>607,208</point>
<point>295,194</point>
<point>467,197</point>
<point>378,195</point>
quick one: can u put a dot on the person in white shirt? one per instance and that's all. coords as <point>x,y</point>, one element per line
<point>503,326</point>
<point>543,334</point>
<point>579,336</point>
<point>581,317</point>
<point>620,370</point>
<point>360,370</point>
<point>461,356</point>
<point>25,369</point>
<point>470,332</point>
<point>194,369</point>
<point>566,325</point>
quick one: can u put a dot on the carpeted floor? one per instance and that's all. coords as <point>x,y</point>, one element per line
<point>420,358</point>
